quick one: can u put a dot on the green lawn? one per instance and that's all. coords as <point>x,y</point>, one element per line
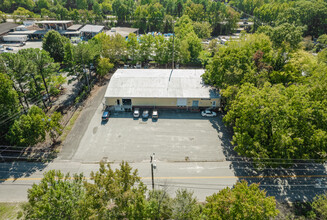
<point>11,210</point>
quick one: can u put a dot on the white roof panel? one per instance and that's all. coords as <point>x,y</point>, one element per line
<point>92,28</point>
<point>159,83</point>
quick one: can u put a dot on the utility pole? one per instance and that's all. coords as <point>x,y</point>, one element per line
<point>172,66</point>
<point>153,166</point>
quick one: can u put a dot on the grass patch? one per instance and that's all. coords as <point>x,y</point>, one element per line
<point>70,125</point>
<point>11,210</point>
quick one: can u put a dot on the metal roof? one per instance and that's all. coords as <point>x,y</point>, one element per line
<point>74,27</point>
<point>92,28</point>
<point>53,22</point>
<point>7,26</point>
<point>123,31</point>
<point>159,83</point>
<point>28,32</point>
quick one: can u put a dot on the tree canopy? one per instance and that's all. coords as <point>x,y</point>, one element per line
<point>240,202</point>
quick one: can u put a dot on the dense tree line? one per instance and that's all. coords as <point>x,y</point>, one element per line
<point>150,15</point>
<point>29,78</point>
<point>310,14</point>
<point>120,194</point>
<point>185,47</point>
<point>275,95</point>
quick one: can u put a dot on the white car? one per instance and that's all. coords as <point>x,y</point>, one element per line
<point>208,113</point>
<point>136,113</point>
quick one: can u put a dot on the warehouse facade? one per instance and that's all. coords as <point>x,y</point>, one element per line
<point>160,88</point>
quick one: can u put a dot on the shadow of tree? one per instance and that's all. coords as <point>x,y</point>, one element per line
<point>301,181</point>
<point>19,169</point>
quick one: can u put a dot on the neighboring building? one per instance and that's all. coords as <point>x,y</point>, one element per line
<point>54,25</point>
<point>89,31</point>
<point>31,34</point>
<point>123,31</point>
<point>160,88</point>
<point>7,27</point>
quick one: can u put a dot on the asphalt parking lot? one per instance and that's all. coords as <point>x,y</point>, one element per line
<point>174,137</point>
<point>29,44</point>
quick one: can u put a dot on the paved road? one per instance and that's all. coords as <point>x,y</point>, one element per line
<point>204,178</point>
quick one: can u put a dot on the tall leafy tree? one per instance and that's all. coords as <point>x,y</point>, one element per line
<point>116,194</point>
<point>132,47</point>
<point>9,104</point>
<point>54,43</point>
<point>104,66</point>
<point>56,196</point>
<point>235,63</point>
<point>240,202</point>
<point>278,122</point>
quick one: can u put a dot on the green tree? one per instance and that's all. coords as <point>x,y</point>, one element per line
<point>132,47</point>
<point>194,45</point>
<point>9,103</point>
<point>322,56</point>
<point>3,17</point>
<point>84,55</point>
<point>185,206</point>
<point>56,196</point>
<point>321,42</point>
<point>32,128</point>
<point>202,29</point>
<point>104,66</point>
<point>146,47</point>
<point>44,67</point>
<point>155,17</point>
<point>159,205</point>
<point>54,43</point>
<point>116,194</point>
<point>112,47</point>
<point>183,26</point>
<point>161,50</point>
<point>278,122</point>
<point>286,33</point>
<point>29,129</point>
<point>195,12</point>
<point>312,14</point>
<point>319,206</point>
<point>22,14</point>
<point>240,202</point>
<point>234,64</point>
<point>81,4</point>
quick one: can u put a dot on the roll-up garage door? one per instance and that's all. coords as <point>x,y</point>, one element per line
<point>181,102</point>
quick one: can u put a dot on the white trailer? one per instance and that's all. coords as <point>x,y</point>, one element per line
<point>15,38</point>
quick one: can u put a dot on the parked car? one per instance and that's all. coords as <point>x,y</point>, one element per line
<point>155,113</point>
<point>145,114</point>
<point>105,115</point>
<point>208,113</point>
<point>136,113</point>
<point>9,48</point>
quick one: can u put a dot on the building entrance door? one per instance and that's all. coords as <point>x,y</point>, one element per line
<point>195,104</point>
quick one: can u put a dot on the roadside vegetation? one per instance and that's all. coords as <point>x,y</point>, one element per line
<point>120,194</point>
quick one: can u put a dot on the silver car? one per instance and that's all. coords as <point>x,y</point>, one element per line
<point>145,114</point>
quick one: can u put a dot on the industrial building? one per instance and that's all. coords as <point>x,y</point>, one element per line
<point>7,27</point>
<point>54,25</point>
<point>160,88</point>
<point>123,31</point>
<point>89,31</point>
